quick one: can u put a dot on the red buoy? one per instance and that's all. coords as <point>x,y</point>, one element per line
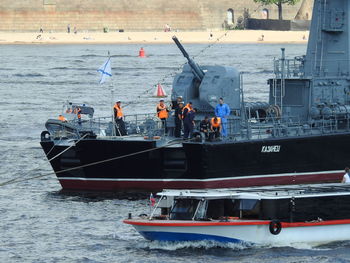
<point>142,53</point>
<point>160,93</point>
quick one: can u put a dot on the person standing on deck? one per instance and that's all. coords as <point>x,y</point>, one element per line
<point>178,119</point>
<point>189,124</point>
<point>118,117</point>
<point>162,113</point>
<point>186,110</point>
<point>79,115</point>
<point>346,177</point>
<point>222,110</point>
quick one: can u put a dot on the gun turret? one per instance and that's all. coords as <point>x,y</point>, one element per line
<point>197,71</point>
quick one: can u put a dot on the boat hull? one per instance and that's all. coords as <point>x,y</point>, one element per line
<point>248,232</point>
<point>314,159</point>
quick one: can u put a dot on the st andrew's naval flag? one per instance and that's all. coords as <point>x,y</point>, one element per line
<point>105,71</point>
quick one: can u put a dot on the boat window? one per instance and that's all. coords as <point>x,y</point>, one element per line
<point>220,208</point>
<point>201,211</point>
<point>184,209</point>
<point>248,204</point>
<point>249,208</point>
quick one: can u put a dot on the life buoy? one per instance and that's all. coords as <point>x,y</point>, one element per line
<point>275,227</point>
<point>45,136</point>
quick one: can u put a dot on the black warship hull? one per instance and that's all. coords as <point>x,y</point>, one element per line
<point>292,160</point>
<point>301,135</point>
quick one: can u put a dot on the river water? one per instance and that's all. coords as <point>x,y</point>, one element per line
<point>38,222</point>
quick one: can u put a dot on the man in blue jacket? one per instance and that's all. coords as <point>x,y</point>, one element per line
<point>222,110</point>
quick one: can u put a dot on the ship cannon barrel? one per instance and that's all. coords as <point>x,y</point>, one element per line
<point>197,71</point>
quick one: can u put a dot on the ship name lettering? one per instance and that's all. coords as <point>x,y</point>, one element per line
<point>271,149</point>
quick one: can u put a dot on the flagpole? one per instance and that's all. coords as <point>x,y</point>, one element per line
<point>150,205</point>
<point>112,109</point>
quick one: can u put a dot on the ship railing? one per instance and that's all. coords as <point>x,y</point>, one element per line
<point>143,124</point>
<point>289,68</point>
<point>148,125</point>
<point>262,128</point>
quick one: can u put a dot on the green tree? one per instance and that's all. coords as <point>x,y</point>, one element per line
<point>279,4</point>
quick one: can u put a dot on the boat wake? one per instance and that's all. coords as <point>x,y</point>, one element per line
<point>205,244</point>
<point>313,246</point>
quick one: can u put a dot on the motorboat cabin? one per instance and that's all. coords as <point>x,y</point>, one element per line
<point>314,214</point>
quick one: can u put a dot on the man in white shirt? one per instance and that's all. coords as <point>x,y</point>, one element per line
<point>346,177</point>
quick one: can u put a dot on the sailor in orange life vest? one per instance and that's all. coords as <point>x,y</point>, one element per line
<point>162,113</point>
<point>186,109</point>
<point>215,127</point>
<point>187,124</point>
<point>79,115</point>
<point>188,121</point>
<point>62,118</point>
<point>118,118</point>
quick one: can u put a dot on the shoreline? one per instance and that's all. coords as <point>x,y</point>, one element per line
<point>196,37</point>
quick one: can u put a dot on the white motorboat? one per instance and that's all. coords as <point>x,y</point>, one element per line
<point>276,215</point>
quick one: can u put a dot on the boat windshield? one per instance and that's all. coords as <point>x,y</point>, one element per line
<point>184,209</point>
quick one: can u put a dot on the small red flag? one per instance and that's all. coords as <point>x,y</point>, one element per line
<point>152,200</point>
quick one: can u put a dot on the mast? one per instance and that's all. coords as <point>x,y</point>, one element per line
<point>328,48</point>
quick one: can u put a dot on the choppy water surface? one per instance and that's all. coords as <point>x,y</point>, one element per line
<point>41,224</point>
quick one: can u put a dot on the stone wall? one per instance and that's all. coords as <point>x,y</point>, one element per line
<point>130,15</point>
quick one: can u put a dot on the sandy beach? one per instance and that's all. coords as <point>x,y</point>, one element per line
<point>234,36</point>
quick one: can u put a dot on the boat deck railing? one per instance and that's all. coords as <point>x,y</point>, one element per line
<point>289,68</point>
<point>148,125</point>
<point>272,127</point>
<point>141,124</point>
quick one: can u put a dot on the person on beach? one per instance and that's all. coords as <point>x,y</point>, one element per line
<point>68,28</point>
<point>167,28</point>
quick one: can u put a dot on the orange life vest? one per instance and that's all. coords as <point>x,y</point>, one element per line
<point>217,124</point>
<point>162,112</point>
<point>119,111</point>
<point>186,107</point>
<point>79,113</point>
<point>69,110</point>
<point>62,118</point>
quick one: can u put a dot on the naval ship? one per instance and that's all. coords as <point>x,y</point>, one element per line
<point>301,135</point>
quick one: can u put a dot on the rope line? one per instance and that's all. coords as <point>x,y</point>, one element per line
<point>13,181</point>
